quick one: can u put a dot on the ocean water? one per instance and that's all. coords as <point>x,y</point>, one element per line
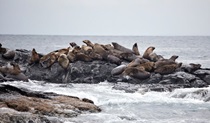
<point>181,105</point>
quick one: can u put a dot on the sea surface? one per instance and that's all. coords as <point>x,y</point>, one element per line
<point>118,106</point>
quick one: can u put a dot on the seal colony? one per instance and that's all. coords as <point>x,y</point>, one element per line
<point>138,66</point>
<point>130,63</point>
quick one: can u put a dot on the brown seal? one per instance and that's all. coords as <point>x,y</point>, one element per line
<point>148,66</point>
<point>11,68</point>
<point>13,72</point>
<point>88,43</point>
<point>63,61</point>
<point>137,62</point>
<point>167,69</point>
<point>76,54</point>
<point>163,62</point>
<point>34,57</point>
<point>154,57</point>
<point>148,51</point>
<point>48,60</point>
<point>86,49</point>
<point>97,48</point>
<point>137,73</point>
<point>135,49</point>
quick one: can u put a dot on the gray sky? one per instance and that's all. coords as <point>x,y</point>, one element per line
<point>105,17</point>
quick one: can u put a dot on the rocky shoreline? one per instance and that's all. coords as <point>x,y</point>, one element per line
<point>41,107</point>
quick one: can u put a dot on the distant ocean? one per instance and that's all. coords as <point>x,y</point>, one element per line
<point>190,49</point>
<point>118,106</point>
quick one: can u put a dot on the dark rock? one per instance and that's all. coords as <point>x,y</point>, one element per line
<point>39,104</point>
<point>207,79</point>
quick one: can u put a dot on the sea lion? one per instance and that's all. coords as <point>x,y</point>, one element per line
<point>118,70</point>
<point>121,48</point>
<point>83,57</point>
<point>61,51</point>
<point>12,72</point>
<point>63,61</point>
<point>88,43</point>
<point>135,49</point>
<point>86,49</point>
<point>128,56</point>
<point>137,62</point>
<point>148,66</point>
<point>48,60</point>
<point>147,53</point>
<point>10,54</point>
<point>34,57</point>
<point>167,69</point>
<point>191,67</point>
<point>163,62</point>
<point>137,73</point>
<point>100,50</point>
<point>154,57</point>
<point>114,59</point>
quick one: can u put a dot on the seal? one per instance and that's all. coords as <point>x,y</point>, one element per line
<point>137,73</point>
<point>10,54</point>
<point>154,57</point>
<point>76,54</point>
<point>148,66</point>
<point>97,48</point>
<point>191,67</point>
<point>128,56</point>
<point>135,49</point>
<point>163,62</point>
<point>48,60</point>
<point>63,61</point>
<point>137,62</point>
<point>167,69</point>
<point>118,70</point>
<point>34,57</point>
<point>147,52</point>
<point>88,43</point>
<point>121,48</point>
<point>12,72</point>
<point>114,59</point>
<point>86,49</point>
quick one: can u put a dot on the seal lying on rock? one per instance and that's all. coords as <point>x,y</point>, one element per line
<point>13,71</point>
<point>167,69</point>
<point>135,72</point>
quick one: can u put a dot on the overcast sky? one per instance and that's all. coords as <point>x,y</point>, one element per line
<point>105,17</point>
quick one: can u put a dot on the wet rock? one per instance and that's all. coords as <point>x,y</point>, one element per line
<point>39,104</point>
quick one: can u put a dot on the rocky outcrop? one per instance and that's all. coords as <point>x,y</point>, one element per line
<point>21,105</point>
<point>99,70</point>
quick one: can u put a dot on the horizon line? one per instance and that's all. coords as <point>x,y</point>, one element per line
<point>109,35</point>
